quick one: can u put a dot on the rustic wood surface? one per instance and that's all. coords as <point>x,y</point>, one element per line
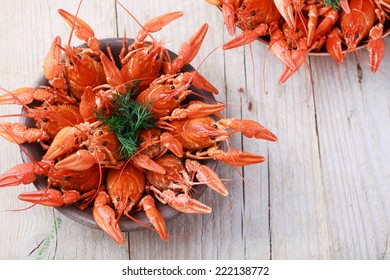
<point>323,192</point>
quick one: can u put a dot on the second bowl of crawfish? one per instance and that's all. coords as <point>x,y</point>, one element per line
<point>323,52</point>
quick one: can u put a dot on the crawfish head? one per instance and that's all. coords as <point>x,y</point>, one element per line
<point>82,70</point>
<point>81,181</point>
<point>143,64</point>
<point>198,133</point>
<point>149,142</point>
<point>164,95</point>
<point>356,25</point>
<point>54,118</point>
<point>125,187</point>
<point>252,13</point>
<point>104,142</point>
<point>176,176</point>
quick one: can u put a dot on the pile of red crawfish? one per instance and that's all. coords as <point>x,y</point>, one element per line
<point>294,28</point>
<point>121,138</point>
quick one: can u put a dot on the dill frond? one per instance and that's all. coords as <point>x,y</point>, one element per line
<point>333,3</point>
<point>127,119</point>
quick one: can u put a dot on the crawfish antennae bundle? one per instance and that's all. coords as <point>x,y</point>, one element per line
<point>128,118</point>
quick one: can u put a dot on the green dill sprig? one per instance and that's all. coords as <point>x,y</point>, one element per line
<point>127,119</point>
<point>333,3</point>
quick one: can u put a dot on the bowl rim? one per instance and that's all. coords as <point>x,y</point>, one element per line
<point>85,217</point>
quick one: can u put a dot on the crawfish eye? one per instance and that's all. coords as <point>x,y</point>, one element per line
<point>128,200</point>
<point>357,35</point>
<point>346,36</point>
<point>243,7</point>
<point>176,97</point>
<point>174,181</point>
<point>104,143</point>
<point>149,51</point>
<point>44,119</point>
<point>212,137</point>
<point>173,87</point>
<point>117,199</point>
<point>100,133</point>
<point>253,13</point>
<point>215,126</point>
<point>104,108</point>
<point>142,140</point>
<point>157,57</point>
<point>67,178</point>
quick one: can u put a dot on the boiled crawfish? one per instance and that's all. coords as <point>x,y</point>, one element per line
<point>200,137</point>
<point>125,192</point>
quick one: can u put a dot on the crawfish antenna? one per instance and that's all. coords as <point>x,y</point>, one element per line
<point>74,22</point>
<point>203,60</point>
<point>134,18</point>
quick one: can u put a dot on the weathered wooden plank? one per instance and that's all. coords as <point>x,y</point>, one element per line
<point>18,68</point>
<point>352,108</point>
<point>296,204</point>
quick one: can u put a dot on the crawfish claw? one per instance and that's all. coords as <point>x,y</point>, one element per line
<point>26,95</point>
<point>246,37</point>
<point>188,50</point>
<point>206,175</point>
<point>24,173</point>
<point>81,29</point>
<point>249,128</point>
<point>81,160</point>
<point>235,157</point>
<point>105,218</point>
<point>154,216</point>
<point>51,197</point>
<point>145,162</point>
<point>18,133</point>
<point>182,202</point>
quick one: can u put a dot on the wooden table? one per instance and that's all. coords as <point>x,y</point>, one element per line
<point>323,192</point>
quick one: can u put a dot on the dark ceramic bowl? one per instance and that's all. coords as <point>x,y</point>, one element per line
<point>85,217</point>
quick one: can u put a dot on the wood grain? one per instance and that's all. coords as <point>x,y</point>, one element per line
<point>323,192</point>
